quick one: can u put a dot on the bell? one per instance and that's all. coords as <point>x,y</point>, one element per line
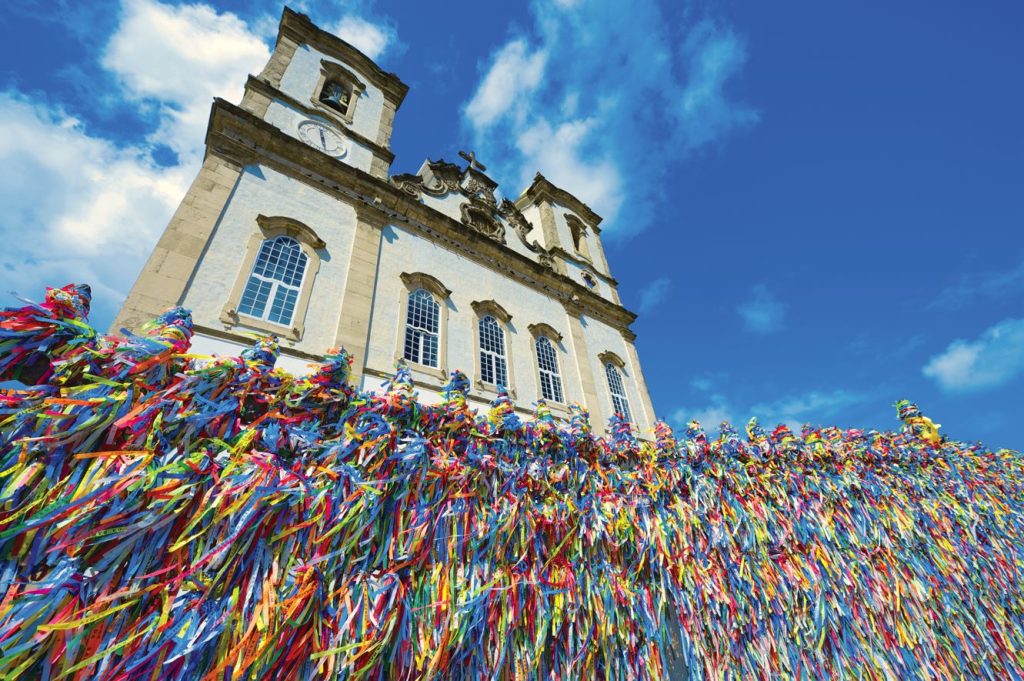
<point>336,95</point>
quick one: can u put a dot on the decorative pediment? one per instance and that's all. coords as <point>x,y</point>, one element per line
<point>481,210</point>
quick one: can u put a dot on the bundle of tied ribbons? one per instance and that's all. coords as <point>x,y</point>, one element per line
<point>168,516</point>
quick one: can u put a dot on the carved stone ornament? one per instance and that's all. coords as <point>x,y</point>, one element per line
<point>409,184</point>
<point>479,219</point>
<point>509,211</point>
<point>447,177</point>
<point>477,189</point>
<point>546,259</point>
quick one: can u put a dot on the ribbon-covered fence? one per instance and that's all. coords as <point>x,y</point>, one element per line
<point>166,516</point>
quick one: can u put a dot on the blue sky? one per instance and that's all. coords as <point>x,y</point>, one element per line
<point>817,208</point>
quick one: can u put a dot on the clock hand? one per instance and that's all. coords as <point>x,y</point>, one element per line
<point>323,140</point>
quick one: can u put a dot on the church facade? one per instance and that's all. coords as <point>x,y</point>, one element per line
<point>295,227</point>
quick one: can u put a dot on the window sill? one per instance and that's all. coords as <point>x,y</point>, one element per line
<point>491,390</point>
<point>231,318</point>
<point>332,113</point>
<point>424,372</point>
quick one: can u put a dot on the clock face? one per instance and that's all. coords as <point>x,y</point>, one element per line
<point>323,137</point>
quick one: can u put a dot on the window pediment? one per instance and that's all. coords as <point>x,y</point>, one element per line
<point>415,280</point>
<point>489,307</point>
<point>609,357</point>
<point>543,329</point>
<point>277,225</point>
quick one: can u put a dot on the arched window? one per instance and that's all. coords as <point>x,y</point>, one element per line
<point>547,360</point>
<point>272,291</point>
<point>422,328</point>
<point>618,390</point>
<point>337,92</point>
<point>493,367</point>
<point>578,231</point>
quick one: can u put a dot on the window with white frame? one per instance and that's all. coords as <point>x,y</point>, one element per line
<point>547,361</point>
<point>272,290</point>
<point>493,366</point>
<point>618,390</point>
<point>421,328</point>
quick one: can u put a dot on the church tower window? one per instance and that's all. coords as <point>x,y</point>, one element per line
<point>272,291</point>
<point>578,232</point>
<point>337,92</point>
<point>618,391</point>
<point>547,361</point>
<point>335,95</point>
<point>493,365</point>
<point>422,328</point>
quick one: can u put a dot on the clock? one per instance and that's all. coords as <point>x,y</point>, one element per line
<point>323,138</point>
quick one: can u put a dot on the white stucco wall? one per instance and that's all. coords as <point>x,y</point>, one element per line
<point>303,74</point>
<point>262,190</point>
<point>593,249</point>
<point>601,287</point>
<point>446,204</point>
<point>532,215</point>
<point>404,251</point>
<point>287,119</point>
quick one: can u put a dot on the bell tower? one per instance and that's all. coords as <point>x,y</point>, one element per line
<point>320,89</point>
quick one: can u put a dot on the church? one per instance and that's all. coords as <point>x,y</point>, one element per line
<point>295,227</point>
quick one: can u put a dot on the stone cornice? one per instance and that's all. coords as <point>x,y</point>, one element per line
<point>583,264</point>
<point>299,28</point>
<point>243,138</point>
<point>541,188</point>
<point>267,90</point>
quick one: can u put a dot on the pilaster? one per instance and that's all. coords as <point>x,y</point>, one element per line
<point>581,355</point>
<point>353,332</point>
<point>638,376</point>
<point>165,276</point>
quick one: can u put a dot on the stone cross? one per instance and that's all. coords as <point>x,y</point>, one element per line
<point>473,163</point>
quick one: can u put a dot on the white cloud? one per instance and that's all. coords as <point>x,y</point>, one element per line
<point>560,153</point>
<point>89,209</point>
<point>714,55</point>
<point>987,285</point>
<point>710,415</point>
<point>796,409</point>
<point>792,410</point>
<point>653,294</point>
<point>763,313</point>
<point>371,39</point>
<point>79,208</point>
<point>180,58</point>
<point>994,359</point>
<point>601,96</point>
<point>514,74</point>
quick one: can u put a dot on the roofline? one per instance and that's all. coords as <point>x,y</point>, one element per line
<point>301,29</point>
